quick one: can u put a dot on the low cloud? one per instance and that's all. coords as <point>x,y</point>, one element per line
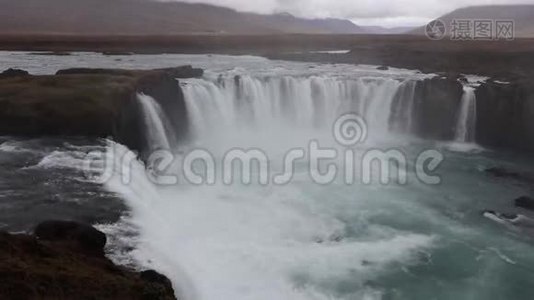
<point>364,11</point>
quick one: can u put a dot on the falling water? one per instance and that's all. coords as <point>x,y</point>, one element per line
<point>402,109</point>
<point>466,124</point>
<point>232,102</point>
<point>156,123</point>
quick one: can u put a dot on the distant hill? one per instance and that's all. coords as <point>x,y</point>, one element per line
<point>149,17</point>
<point>385,30</point>
<point>523,16</point>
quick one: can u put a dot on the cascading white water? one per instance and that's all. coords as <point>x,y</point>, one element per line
<point>156,123</point>
<point>295,102</point>
<point>304,241</point>
<point>466,124</point>
<point>258,243</point>
<point>402,110</point>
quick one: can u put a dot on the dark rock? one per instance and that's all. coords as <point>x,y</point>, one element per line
<point>502,173</point>
<point>96,103</point>
<point>183,72</point>
<point>525,202</point>
<point>152,276</point>
<point>87,237</point>
<point>436,106</point>
<point>34,268</point>
<point>54,53</point>
<point>383,68</point>
<point>96,71</point>
<point>175,72</point>
<point>505,115</point>
<point>112,53</point>
<point>9,73</point>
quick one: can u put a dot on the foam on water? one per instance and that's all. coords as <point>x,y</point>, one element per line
<point>256,243</point>
<point>302,240</point>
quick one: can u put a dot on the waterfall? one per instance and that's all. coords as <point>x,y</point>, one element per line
<point>402,110</point>
<point>466,124</point>
<point>234,102</point>
<point>158,131</point>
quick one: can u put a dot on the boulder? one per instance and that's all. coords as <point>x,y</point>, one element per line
<point>9,73</point>
<point>33,268</point>
<point>87,237</point>
<point>153,277</point>
<point>525,202</point>
<point>383,68</point>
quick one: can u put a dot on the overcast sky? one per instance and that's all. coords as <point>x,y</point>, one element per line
<point>364,12</point>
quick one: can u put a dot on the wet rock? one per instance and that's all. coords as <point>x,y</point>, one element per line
<point>525,202</point>
<point>153,277</point>
<point>34,268</point>
<point>436,105</point>
<point>503,173</point>
<point>9,73</point>
<point>87,237</point>
<point>505,115</point>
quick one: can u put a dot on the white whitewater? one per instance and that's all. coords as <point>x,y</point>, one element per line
<point>314,102</point>
<point>466,124</point>
<point>303,241</point>
<point>402,109</point>
<point>155,123</point>
<point>263,243</point>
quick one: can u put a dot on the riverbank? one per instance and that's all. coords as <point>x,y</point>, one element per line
<point>65,260</point>
<point>93,103</point>
<point>499,59</point>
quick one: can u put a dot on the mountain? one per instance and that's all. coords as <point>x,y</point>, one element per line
<point>151,17</point>
<point>522,15</point>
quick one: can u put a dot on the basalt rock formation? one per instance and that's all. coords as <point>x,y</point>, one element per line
<point>60,262</point>
<point>91,102</point>
<point>436,105</point>
<point>505,115</point>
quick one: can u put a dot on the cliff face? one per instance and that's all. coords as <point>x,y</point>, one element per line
<point>505,115</point>
<point>92,103</point>
<point>436,105</point>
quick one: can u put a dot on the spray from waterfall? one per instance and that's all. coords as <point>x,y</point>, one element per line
<point>466,124</point>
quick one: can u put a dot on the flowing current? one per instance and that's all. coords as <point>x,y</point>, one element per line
<point>303,240</point>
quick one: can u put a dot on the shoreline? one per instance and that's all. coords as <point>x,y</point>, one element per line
<point>504,60</point>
